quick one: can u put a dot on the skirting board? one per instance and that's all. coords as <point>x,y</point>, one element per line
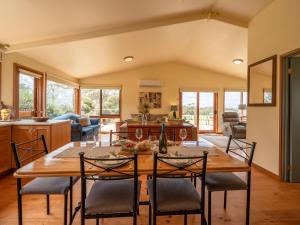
<point>267,172</point>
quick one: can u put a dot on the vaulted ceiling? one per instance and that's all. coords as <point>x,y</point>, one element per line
<point>88,37</point>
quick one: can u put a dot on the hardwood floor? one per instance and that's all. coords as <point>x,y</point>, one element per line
<point>273,202</point>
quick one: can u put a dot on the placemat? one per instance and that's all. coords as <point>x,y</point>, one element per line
<point>73,152</point>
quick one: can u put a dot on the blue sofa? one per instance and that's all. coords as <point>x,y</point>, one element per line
<point>78,132</point>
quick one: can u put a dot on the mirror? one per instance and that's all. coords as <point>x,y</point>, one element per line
<point>262,82</point>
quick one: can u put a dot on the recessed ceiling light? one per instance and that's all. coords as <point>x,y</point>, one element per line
<point>128,59</point>
<point>237,61</point>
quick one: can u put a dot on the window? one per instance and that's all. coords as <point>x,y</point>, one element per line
<point>232,100</point>
<point>104,103</point>
<point>60,99</point>
<point>267,95</point>
<point>27,100</point>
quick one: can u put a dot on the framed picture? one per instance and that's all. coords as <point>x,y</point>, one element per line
<point>154,98</point>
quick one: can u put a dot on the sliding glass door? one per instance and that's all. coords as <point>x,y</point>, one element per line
<point>199,108</point>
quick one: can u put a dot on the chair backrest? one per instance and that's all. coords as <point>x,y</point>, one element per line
<point>183,170</point>
<point>170,135</point>
<point>230,117</point>
<point>26,151</point>
<point>120,135</point>
<point>104,173</point>
<point>240,148</point>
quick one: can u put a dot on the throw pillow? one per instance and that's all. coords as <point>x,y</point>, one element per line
<point>84,122</point>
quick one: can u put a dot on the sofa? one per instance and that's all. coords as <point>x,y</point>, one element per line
<point>233,126</point>
<point>78,132</point>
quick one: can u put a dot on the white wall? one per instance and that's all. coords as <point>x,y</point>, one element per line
<point>174,76</point>
<point>275,30</point>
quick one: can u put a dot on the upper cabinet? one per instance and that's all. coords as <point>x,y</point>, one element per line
<point>262,82</point>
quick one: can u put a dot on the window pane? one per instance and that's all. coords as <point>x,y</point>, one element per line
<point>90,102</point>
<point>60,99</point>
<point>26,95</point>
<point>206,111</point>
<point>110,102</point>
<point>189,104</point>
<point>232,101</point>
<point>245,98</point>
<point>267,96</point>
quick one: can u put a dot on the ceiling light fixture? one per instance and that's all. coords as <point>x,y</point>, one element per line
<point>128,59</point>
<point>237,61</point>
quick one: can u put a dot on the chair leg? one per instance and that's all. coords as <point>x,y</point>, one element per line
<point>20,220</point>
<point>150,212</point>
<point>248,207</point>
<point>154,217</point>
<point>203,220</point>
<point>97,221</point>
<point>48,204</point>
<point>66,208</point>
<point>209,208</point>
<point>134,219</point>
<point>225,199</point>
<point>185,219</point>
<point>71,203</point>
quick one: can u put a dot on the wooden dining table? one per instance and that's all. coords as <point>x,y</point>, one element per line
<point>53,165</point>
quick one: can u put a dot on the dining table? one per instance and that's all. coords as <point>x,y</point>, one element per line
<point>64,161</point>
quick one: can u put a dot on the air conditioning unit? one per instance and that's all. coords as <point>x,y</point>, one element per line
<point>150,83</point>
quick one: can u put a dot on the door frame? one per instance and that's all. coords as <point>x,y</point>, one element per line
<point>215,129</point>
<point>283,72</point>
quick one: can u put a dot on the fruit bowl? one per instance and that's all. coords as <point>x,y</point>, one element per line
<point>40,119</point>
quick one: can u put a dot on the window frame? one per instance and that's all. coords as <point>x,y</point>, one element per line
<point>241,97</point>
<point>109,116</point>
<point>38,91</point>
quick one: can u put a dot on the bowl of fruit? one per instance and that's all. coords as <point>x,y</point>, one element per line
<point>128,147</point>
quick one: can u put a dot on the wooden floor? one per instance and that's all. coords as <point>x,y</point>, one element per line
<point>273,202</point>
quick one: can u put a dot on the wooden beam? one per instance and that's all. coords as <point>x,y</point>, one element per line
<point>143,25</point>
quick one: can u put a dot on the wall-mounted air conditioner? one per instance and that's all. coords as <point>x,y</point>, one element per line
<point>150,83</point>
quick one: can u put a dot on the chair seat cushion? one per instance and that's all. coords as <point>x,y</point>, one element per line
<point>48,185</point>
<point>111,196</point>
<point>174,194</point>
<point>224,181</point>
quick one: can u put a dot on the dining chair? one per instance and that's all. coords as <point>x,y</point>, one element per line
<point>24,153</point>
<point>114,193</point>
<point>176,195</point>
<point>226,181</point>
<point>120,135</point>
<point>170,136</point>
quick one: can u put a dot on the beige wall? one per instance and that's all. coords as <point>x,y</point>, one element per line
<point>7,73</point>
<point>174,76</point>
<point>275,30</point>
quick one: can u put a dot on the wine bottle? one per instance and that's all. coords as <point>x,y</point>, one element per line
<point>163,142</point>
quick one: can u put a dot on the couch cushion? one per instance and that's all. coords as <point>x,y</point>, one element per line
<point>87,130</point>
<point>111,196</point>
<point>174,194</point>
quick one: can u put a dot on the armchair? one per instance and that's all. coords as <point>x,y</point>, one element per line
<point>233,126</point>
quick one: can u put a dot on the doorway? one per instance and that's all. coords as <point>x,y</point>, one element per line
<point>200,109</point>
<point>290,119</point>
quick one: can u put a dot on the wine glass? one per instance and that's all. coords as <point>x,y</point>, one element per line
<point>139,133</point>
<point>182,134</point>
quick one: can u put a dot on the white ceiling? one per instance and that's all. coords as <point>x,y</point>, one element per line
<point>212,45</point>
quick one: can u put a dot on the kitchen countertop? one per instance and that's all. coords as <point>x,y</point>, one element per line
<point>31,122</point>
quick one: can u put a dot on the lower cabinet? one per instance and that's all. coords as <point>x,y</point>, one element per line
<point>5,149</point>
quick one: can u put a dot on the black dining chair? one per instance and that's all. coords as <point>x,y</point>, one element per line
<point>176,195</point>
<point>226,181</point>
<point>114,193</point>
<point>24,153</point>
